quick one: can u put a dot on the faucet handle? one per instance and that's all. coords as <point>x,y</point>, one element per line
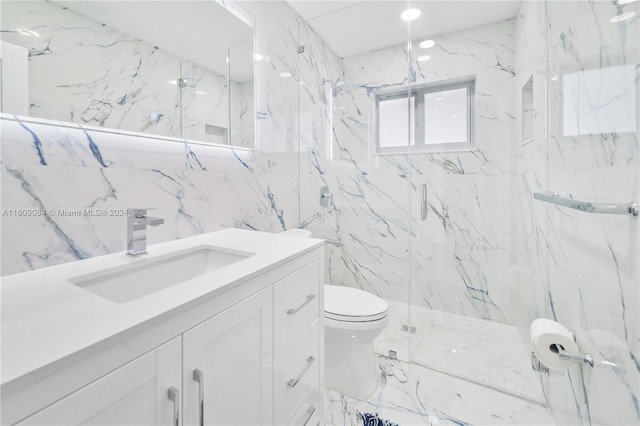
<point>138,212</point>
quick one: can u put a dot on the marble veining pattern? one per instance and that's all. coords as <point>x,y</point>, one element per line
<point>409,394</point>
<point>376,197</point>
<point>60,169</point>
<point>86,72</point>
<point>487,249</point>
<point>587,264</point>
<point>489,353</point>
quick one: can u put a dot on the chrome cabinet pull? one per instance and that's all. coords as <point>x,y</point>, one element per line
<point>308,415</point>
<point>424,206</point>
<point>294,311</point>
<point>174,395</point>
<point>294,382</point>
<point>198,376</point>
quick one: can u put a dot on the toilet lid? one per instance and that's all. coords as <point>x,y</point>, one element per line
<point>352,304</point>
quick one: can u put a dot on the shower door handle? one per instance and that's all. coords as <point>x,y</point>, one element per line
<point>423,202</point>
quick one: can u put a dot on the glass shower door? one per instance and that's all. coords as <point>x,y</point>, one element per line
<point>472,282</point>
<point>593,156</point>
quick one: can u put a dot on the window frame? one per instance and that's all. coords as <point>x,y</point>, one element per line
<point>417,92</point>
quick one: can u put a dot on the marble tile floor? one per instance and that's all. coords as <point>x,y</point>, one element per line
<point>409,394</point>
<point>480,351</point>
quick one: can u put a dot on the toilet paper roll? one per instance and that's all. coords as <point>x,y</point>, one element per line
<point>544,334</point>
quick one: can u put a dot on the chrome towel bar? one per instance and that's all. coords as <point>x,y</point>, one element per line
<point>632,209</point>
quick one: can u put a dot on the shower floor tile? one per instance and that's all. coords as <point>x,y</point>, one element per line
<point>410,394</point>
<point>483,352</point>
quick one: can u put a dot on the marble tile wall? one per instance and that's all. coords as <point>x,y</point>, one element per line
<point>128,79</point>
<point>486,250</point>
<point>58,169</point>
<point>586,265</point>
<point>593,260</point>
<point>375,206</point>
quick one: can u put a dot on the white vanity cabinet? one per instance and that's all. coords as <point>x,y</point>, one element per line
<point>134,394</point>
<point>248,352</point>
<point>227,366</point>
<point>298,337</point>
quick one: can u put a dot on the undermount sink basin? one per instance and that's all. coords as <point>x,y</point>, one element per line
<point>147,276</point>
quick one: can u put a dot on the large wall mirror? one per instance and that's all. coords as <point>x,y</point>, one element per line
<point>180,69</point>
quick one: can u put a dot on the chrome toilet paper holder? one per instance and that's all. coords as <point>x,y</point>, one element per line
<point>586,359</point>
<point>570,356</point>
<point>537,365</point>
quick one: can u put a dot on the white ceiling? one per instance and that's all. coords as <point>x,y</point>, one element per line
<point>353,27</point>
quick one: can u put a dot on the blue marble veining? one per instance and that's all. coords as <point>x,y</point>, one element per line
<point>241,161</point>
<point>36,142</point>
<point>274,206</point>
<point>190,155</point>
<point>485,250</point>
<point>413,395</point>
<point>95,150</point>
<point>68,241</point>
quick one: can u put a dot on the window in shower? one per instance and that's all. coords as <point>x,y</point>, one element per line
<point>435,117</point>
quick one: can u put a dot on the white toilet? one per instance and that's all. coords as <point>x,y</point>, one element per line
<point>353,318</point>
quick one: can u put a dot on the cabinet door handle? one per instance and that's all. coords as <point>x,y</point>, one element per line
<point>308,415</point>
<point>294,311</point>
<point>174,395</point>
<point>294,382</point>
<point>198,376</point>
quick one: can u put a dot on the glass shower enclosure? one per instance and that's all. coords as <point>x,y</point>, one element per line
<point>433,150</point>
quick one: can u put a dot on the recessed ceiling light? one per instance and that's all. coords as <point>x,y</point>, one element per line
<point>423,58</point>
<point>285,74</point>
<point>426,44</point>
<point>454,116</point>
<point>622,17</point>
<point>174,82</point>
<point>258,57</point>
<point>438,98</point>
<point>555,78</point>
<point>626,1</point>
<point>410,14</point>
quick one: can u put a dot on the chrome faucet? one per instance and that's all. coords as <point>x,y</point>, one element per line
<point>137,222</point>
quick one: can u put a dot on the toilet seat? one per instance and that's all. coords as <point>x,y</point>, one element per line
<point>352,305</point>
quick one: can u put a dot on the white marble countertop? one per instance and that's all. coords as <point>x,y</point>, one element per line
<point>45,318</point>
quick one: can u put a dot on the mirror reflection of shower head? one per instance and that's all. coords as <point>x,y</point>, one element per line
<point>338,86</point>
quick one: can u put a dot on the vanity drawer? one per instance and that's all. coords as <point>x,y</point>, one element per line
<point>308,411</point>
<point>296,372</point>
<point>297,301</point>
